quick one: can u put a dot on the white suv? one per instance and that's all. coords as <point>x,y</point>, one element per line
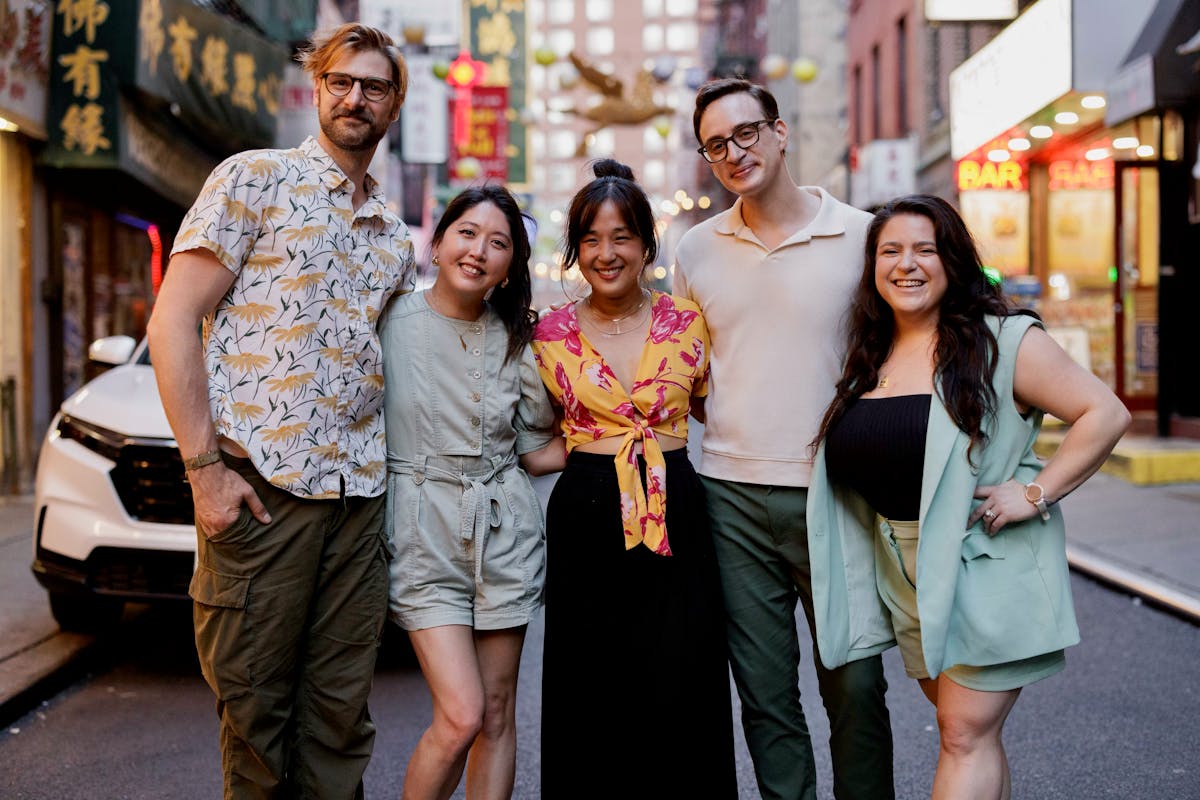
<point>113,509</point>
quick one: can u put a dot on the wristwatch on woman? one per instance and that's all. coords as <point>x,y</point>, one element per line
<point>1036,495</point>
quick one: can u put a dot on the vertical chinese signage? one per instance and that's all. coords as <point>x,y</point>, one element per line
<point>219,77</point>
<point>81,125</point>
<point>496,35</point>
<point>485,136</point>
<point>25,62</point>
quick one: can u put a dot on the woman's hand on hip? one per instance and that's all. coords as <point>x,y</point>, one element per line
<point>1002,504</point>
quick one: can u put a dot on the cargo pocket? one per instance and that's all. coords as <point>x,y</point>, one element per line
<point>216,589</point>
<point>223,639</point>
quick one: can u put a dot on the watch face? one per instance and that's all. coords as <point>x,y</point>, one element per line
<point>1034,493</point>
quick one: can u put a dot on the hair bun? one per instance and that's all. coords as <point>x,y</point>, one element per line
<point>610,167</point>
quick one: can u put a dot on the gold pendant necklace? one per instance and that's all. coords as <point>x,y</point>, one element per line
<point>616,321</point>
<point>883,382</point>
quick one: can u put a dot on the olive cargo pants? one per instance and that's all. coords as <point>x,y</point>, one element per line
<point>288,618</point>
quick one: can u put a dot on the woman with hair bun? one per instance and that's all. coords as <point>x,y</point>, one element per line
<point>635,687</point>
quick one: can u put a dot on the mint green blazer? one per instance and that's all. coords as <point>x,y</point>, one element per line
<point>981,599</point>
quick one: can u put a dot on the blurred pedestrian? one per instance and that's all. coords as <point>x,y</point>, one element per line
<point>287,257</point>
<point>635,688</point>
<point>464,406</point>
<point>773,276</point>
<point>927,503</point>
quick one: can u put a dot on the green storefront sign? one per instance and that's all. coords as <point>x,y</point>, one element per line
<point>497,36</point>
<point>185,68</point>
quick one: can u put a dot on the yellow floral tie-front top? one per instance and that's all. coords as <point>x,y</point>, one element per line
<point>673,369</point>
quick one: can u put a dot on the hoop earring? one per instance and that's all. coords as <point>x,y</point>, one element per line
<point>504,283</point>
<point>435,261</point>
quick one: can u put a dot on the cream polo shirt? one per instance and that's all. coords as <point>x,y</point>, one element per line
<point>777,323</point>
<point>294,363</point>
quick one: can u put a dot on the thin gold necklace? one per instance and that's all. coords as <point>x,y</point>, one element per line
<point>615,321</point>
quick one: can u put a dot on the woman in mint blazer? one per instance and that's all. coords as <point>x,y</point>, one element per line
<point>931,523</point>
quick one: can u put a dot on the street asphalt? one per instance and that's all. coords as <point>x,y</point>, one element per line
<point>1142,540</point>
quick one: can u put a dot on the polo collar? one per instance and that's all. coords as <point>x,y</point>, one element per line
<point>827,222</point>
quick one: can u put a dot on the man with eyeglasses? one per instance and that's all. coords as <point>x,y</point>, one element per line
<point>774,275</point>
<point>287,258</point>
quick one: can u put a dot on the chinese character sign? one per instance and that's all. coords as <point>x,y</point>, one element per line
<point>81,125</point>
<point>486,139</point>
<point>225,79</point>
<point>496,32</point>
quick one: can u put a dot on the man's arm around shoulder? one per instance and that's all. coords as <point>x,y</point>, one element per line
<point>195,282</point>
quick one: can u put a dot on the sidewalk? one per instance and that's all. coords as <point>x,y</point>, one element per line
<point>1142,539</point>
<point>33,652</point>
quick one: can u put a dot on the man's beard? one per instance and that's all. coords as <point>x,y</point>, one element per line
<point>357,140</point>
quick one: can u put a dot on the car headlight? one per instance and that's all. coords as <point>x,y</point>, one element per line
<point>99,440</point>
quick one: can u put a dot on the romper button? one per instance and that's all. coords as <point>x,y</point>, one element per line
<point>475,374</point>
<point>475,352</point>
<point>476,329</point>
<point>474,422</point>
<point>475,396</point>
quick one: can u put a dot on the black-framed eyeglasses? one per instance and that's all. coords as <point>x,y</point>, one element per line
<point>744,136</point>
<point>340,84</point>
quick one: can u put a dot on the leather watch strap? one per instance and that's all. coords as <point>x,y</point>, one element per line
<point>202,460</point>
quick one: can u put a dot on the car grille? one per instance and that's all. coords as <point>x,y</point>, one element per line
<point>145,573</point>
<point>148,474</point>
<point>151,484</point>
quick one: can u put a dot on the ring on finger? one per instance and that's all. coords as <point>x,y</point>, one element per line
<point>989,514</point>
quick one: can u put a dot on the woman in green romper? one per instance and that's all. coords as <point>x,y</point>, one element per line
<point>465,411</point>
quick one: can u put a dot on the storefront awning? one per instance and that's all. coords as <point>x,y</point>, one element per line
<point>1054,48</point>
<point>1160,69</point>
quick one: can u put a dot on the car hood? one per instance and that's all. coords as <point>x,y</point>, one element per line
<point>124,400</point>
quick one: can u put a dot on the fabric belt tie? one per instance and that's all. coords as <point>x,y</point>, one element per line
<point>479,512</point>
<point>643,507</point>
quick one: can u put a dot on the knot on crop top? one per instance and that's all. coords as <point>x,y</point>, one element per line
<point>672,369</point>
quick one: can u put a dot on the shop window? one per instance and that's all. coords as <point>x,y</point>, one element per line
<point>652,8</point>
<point>681,8</point>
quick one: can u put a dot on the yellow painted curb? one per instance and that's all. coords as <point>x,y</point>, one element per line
<point>1169,461</point>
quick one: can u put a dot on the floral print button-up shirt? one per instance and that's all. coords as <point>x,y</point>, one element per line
<point>673,369</point>
<point>294,362</point>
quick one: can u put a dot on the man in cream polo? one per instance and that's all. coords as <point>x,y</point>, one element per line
<point>774,275</point>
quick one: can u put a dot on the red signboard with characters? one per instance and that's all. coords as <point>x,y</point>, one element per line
<point>482,153</point>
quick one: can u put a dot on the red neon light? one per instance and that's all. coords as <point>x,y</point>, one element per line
<point>156,272</point>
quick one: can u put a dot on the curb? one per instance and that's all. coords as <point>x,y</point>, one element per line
<point>1136,583</point>
<point>42,669</point>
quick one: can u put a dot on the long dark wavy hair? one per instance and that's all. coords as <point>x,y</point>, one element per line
<point>613,182</point>
<point>510,302</point>
<point>967,351</point>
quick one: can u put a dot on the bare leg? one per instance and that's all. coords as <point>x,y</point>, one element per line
<point>492,763</point>
<point>448,660</point>
<point>971,762</point>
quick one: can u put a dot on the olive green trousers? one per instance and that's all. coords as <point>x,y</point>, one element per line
<point>760,535</point>
<point>288,618</point>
